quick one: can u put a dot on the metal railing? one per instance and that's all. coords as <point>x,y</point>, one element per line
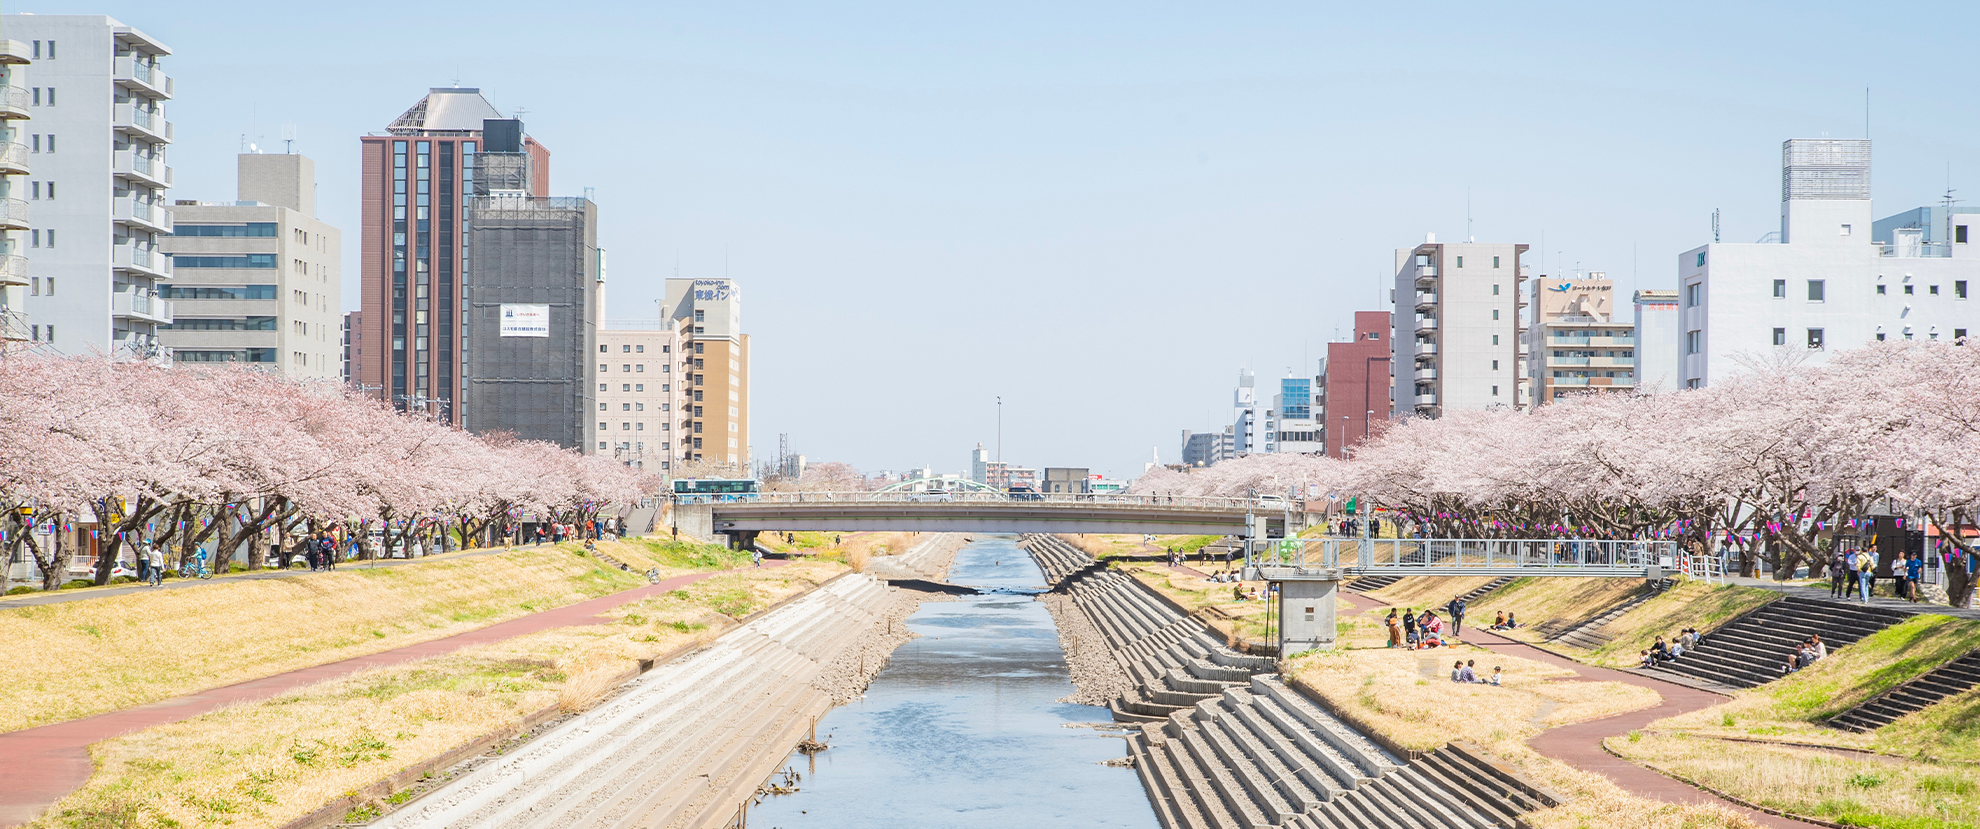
<point>14,154</point>
<point>1272,508</point>
<point>14,98</point>
<point>13,270</point>
<point>13,211</point>
<point>1915,250</point>
<point>1351,555</point>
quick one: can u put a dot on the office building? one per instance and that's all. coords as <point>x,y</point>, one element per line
<point>1067,480</point>
<point>418,177</point>
<point>1201,448</point>
<point>98,188</point>
<point>1656,328</point>
<point>1295,429</point>
<point>1828,284</point>
<point>979,464</point>
<point>1250,421</point>
<point>1461,348</point>
<point>713,421</point>
<point>532,316</point>
<point>1576,343</point>
<point>1933,223</point>
<point>637,393</point>
<point>257,280</point>
<point>1354,384</point>
<point>15,111</point>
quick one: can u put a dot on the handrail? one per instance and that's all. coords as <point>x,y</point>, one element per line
<point>1028,498</point>
<point>1576,554</point>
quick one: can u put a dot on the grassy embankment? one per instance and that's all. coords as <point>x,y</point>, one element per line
<point>266,763</point>
<point>1916,772</point>
<point>76,659</point>
<point>851,549</point>
<point>1556,603</point>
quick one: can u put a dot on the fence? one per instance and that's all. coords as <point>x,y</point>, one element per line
<point>1458,556</point>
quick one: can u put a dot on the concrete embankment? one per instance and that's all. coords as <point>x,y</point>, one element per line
<point>686,744</point>
<point>1223,743</point>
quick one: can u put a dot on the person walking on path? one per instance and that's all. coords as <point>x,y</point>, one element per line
<point>1456,607</point>
<point>1838,566</point>
<point>1849,568</point>
<point>1409,625</point>
<point>756,557</point>
<point>1866,569</point>
<point>1395,629</point>
<point>1914,573</point>
<point>155,565</point>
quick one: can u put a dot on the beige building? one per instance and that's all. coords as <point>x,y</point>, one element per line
<point>639,392</point>
<point>257,280</point>
<point>712,358</point>
<point>1462,346</point>
<point>1576,342</point>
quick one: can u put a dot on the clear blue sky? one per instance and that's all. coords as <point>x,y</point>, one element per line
<point>1098,211</point>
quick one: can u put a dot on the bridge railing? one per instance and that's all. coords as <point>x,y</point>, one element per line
<point>1630,556</point>
<point>1047,498</point>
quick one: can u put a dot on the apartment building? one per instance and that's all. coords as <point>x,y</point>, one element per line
<point>418,177</point>
<point>638,393</point>
<point>1657,327</point>
<point>712,421</point>
<point>15,110</point>
<point>353,344</point>
<point>1462,346</point>
<point>257,280</point>
<point>1355,384</point>
<point>1576,343</point>
<point>1828,284</point>
<point>98,187</point>
<point>533,303</point>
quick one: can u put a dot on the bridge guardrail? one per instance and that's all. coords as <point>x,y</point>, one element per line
<point>1629,556</point>
<point>1041,498</point>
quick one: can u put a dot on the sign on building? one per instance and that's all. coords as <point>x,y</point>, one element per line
<point>525,320</point>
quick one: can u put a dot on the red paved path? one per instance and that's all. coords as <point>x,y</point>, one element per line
<point>43,765</point>
<point>1580,744</point>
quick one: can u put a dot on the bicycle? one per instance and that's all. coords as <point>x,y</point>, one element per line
<point>195,569</point>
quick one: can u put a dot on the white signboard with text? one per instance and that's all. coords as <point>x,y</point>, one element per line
<point>525,320</point>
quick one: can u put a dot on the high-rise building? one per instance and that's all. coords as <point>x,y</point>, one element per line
<point>1828,284</point>
<point>979,464</point>
<point>533,303</point>
<point>15,109</point>
<point>1201,448</point>
<point>1250,422</point>
<point>1576,342</point>
<point>713,423</point>
<point>98,189</point>
<point>1354,384</point>
<point>1656,327</point>
<point>258,280</point>
<point>1461,348</point>
<point>418,176</point>
<point>353,344</point>
<point>638,393</point>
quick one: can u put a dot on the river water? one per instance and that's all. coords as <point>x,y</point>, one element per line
<point>961,730</point>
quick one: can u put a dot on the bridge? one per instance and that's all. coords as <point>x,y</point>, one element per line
<point>743,517</point>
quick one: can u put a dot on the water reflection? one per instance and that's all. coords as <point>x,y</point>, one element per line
<point>961,730</point>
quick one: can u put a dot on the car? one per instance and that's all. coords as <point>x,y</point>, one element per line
<point>1271,500</point>
<point>1025,493</point>
<point>932,495</point>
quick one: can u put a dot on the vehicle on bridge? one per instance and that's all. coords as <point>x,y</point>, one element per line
<point>1024,493</point>
<point>715,489</point>
<point>931,496</point>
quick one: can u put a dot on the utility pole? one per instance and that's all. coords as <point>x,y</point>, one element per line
<point>1000,428</point>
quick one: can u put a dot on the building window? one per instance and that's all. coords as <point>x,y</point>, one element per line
<point>1934,290</point>
<point>1495,391</point>
<point>601,426</point>
<point>1880,290</point>
<point>625,427</point>
<point>1910,289</point>
<point>1495,289</point>
<point>1780,289</point>
<point>1959,335</point>
<point>1495,313</point>
<point>1780,336</point>
<point>601,446</point>
<point>626,349</point>
<point>1959,234</point>
<point>641,368</point>
<point>1460,262</point>
<point>700,316</point>
<point>601,407</point>
<point>1845,230</point>
<point>1692,293</point>
<point>1815,290</point>
<point>1691,342</point>
<point>1959,289</point>
<point>1880,336</point>
<point>641,427</point>
<point>1495,261</point>
<point>1815,339</point>
<point>640,349</point>
<point>601,348</point>
<point>1495,339</point>
<point>625,387</point>
<point>625,407</point>
<point>601,386</point>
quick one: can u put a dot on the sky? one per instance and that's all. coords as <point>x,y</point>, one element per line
<point>1099,212</point>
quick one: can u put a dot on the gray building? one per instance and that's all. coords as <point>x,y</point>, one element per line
<point>257,280</point>
<point>532,302</point>
<point>96,136</point>
<point>14,152</point>
<point>1067,479</point>
<point>1657,327</point>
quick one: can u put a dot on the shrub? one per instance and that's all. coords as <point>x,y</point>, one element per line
<point>124,580</point>
<point>18,589</point>
<point>77,583</point>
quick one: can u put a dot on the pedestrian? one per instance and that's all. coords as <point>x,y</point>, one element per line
<point>539,535</point>
<point>155,562</point>
<point>1838,566</point>
<point>756,557</point>
<point>1456,608</point>
<point>1850,570</point>
<point>1395,629</point>
<point>1914,574</point>
<point>1866,574</point>
<point>1409,624</point>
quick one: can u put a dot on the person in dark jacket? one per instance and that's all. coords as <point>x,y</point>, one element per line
<point>1456,607</point>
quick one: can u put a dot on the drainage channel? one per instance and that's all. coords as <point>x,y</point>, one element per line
<point>963,727</point>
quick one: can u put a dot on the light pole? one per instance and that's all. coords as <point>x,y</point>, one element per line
<point>1000,428</point>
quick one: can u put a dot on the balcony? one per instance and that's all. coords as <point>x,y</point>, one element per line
<point>131,73</point>
<point>13,270</point>
<point>15,52</point>
<point>13,325</point>
<point>1426,348</point>
<point>128,117</point>
<point>1425,299</point>
<point>1426,373</point>
<point>142,261</point>
<point>14,102</point>
<point>150,216</point>
<point>13,214</point>
<point>1591,341</point>
<point>136,303</point>
<point>1426,324</point>
<point>1910,249</point>
<point>1426,399</point>
<point>13,158</point>
<point>130,165</point>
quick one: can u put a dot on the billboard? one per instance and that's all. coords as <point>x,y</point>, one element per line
<point>525,320</point>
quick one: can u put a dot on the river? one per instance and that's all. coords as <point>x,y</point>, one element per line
<point>961,728</point>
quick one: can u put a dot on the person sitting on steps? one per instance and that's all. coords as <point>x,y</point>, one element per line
<point>1645,660</point>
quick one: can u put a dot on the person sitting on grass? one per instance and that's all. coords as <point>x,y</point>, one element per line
<point>1499,621</point>
<point>1496,673</point>
<point>1457,671</point>
<point>1511,620</point>
<point>1469,673</point>
<point>1237,592</point>
<point>1429,639</point>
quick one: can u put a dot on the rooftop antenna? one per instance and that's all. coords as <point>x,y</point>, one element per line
<point>1467,216</point>
<point>1715,225</point>
<point>1949,201</point>
<point>1866,113</point>
<point>289,139</point>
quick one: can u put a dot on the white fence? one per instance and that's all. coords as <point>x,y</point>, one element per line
<point>1465,555</point>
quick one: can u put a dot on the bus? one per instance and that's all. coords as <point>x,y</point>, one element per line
<point>723,489</point>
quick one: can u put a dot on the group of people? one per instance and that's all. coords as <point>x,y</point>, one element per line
<point>592,529</point>
<point>1506,620</point>
<point>1413,631</point>
<point>1669,650</point>
<point>321,551</point>
<point>1806,653</point>
<point>1466,671</point>
<point>1854,573</point>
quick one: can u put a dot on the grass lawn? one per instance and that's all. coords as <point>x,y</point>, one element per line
<point>266,763</point>
<point>1565,601</point>
<point>76,659</point>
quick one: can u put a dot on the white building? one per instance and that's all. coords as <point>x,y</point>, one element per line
<point>1250,418</point>
<point>1827,285</point>
<point>1296,429</point>
<point>638,394</point>
<point>15,109</point>
<point>1576,343</point>
<point>98,188</point>
<point>1461,348</point>
<point>258,280</point>
<point>1657,329</point>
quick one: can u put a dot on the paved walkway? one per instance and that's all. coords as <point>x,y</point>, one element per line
<point>1821,593</point>
<point>1580,744</point>
<point>43,765</point>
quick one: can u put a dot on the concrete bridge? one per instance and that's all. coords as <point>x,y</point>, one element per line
<point>742,518</point>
